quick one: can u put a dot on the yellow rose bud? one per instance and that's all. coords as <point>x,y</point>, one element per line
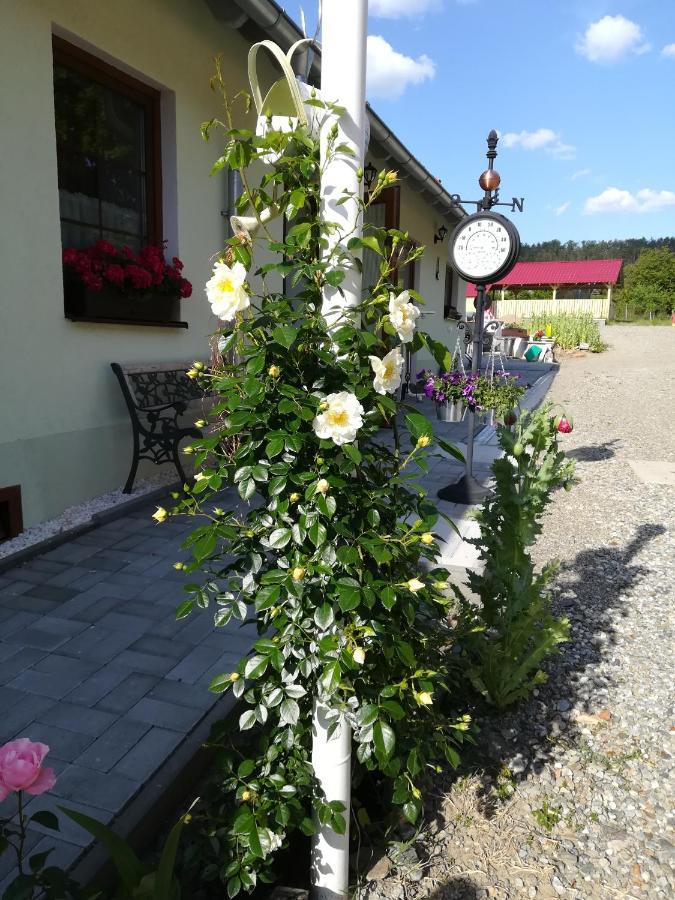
<point>298,573</point>
<point>323,405</point>
<point>415,585</point>
<point>188,450</point>
<point>441,585</point>
<point>218,511</point>
<point>192,373</point>
<point>274,371</point>
<point>322,486</point>
<point>245,796</point>
<point>359,655</point>
<point>234,676</point>
<point>200,476</point>
<point>423,441</point>
<point>161,515</point>
<point>427,538</point>
<point>198,365</point>
<point>416,793</point>
<point>294,497</point>
<point>319,460</point>
<point>200,423</point>
<point>391,177</point>
<point>424,698</point>
<point>179,566</point>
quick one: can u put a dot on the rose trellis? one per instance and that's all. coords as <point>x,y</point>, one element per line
<point>333,555</point>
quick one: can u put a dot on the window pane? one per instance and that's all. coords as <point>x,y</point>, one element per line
<point>121,240</point>
<point>101,134</point>
<point>78,236</point>
<point>124,133</point>
<point>121,199</point>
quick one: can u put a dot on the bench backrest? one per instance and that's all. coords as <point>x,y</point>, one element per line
<point>150,386</point>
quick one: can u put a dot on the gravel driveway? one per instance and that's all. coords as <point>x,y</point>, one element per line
<point>583,805</point>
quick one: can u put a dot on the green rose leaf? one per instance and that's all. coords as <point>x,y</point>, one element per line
<point>285,335</point>
<point>419,426</point>
<point>384,740</point>
<point>412,809</point>
<point>280,537</point>
<point>330,677</point>
<point>289,712</point>
<point>247,720</point>
<point>256,666</point>
<point>324,616</point>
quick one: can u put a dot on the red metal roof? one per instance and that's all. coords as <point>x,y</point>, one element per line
<point>576,271</point>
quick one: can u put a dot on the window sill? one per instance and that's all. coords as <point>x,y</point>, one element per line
<point>102,320</point>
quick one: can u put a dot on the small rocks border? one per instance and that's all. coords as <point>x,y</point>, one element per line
<point>80,519</point>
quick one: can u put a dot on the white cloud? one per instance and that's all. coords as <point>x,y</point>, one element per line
<point>668,50</point>
<point>389,72</point>
<point>610,39</point>
<point>559,210</point>
<point>542,139</point>
<point>614,200</point>
<point>400,9</point>
<point>580,174</point>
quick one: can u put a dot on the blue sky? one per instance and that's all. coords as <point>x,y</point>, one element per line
<point>582,92</point>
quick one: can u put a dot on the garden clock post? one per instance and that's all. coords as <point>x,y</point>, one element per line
<point>484,247</point>
<point>343,81</point>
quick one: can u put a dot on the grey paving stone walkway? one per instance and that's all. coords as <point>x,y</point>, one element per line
<point>93,663</point>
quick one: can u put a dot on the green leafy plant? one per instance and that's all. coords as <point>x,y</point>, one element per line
<point>547,816</point>
<point>499,392</point>
<point>334,557</point>
<point>569,330</point>
<point>510,630</point>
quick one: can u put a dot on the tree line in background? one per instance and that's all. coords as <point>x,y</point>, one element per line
<point>648,285</point>
<point>627,249</point>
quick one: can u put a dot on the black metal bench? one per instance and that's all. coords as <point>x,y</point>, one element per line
<point>156,397</point>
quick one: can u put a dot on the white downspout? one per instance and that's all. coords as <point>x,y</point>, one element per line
<point>343,80</point>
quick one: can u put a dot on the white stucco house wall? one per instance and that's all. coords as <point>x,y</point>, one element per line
<point>65,434</point>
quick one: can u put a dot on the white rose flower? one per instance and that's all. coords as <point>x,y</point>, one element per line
<point>387,371</point>
<point>340,419</point>
<point>402,315</point>
<point>226,290</point>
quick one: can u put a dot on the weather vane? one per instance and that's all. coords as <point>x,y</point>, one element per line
<point>484,247</point>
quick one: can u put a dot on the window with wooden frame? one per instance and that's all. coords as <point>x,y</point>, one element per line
<point>384,212</point>
<point>108,157</point>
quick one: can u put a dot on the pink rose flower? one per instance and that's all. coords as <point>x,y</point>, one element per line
<point>21,768</point>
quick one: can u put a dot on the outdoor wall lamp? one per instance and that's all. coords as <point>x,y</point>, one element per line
<point>369,175</point>
<point>440,235</point>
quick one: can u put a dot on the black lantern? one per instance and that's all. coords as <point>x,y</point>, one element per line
<point>440,235</point>
<point>369,175</point>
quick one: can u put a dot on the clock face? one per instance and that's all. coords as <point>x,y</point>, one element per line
<point>481,247</point>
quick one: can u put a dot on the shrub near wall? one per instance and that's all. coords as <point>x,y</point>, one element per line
<point>329,558</point>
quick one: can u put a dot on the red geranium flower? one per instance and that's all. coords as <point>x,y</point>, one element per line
<point>114,274</point>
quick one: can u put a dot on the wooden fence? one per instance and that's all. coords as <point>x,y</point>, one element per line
<point>512,310</point>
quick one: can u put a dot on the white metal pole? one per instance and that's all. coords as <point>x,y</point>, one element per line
<point>343,81</point>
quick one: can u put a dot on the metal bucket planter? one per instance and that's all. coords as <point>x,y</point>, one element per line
<point>488,417</point>
<point>450,411</point>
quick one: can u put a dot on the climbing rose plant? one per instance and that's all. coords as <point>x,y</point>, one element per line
<point>333,555</point>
